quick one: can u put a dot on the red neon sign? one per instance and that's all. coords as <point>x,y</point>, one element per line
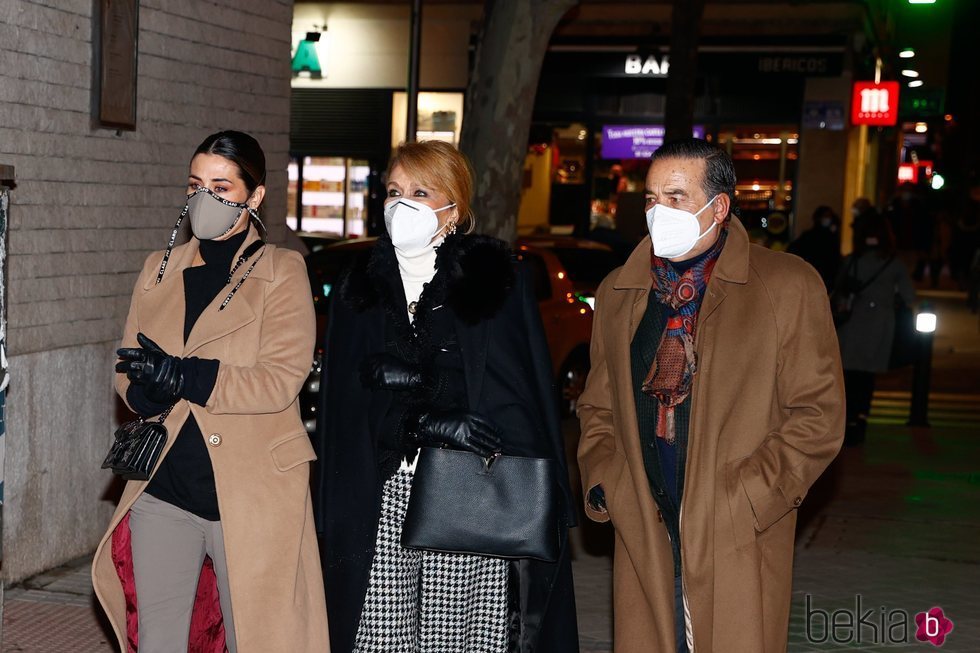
<point>874,104</point>
<point>908,173</point>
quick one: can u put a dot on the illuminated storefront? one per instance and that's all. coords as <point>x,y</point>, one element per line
<point>599,115</point>
<point>333,194</point>
<point>777,101</point>
<point>349,106</point>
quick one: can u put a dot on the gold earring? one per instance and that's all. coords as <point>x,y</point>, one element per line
<point>451,228</point>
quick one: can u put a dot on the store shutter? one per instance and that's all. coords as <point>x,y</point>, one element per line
<point>352,123</point>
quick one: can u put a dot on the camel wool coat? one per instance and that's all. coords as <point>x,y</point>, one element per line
<point>766,419</point>
<point>259,449</point>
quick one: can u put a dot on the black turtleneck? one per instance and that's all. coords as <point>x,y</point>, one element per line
<point>185,477</point>
<point>203,282</point>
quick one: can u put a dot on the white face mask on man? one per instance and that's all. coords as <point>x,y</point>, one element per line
<point>412,225</point>
<point>675,232</point>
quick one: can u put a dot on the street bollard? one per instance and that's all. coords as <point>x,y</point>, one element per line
<point>925,326</point>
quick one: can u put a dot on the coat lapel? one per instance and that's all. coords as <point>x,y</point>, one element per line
<point>713,298</point>
<point>635,277</point>
<point>732,267</point>
<point>633,283</point>
<point>161,308</point>
<point>216,322</point>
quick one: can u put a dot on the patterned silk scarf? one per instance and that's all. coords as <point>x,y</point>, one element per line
<point>672,372</point>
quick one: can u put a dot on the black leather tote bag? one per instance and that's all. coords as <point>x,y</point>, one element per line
<point>504,506</point>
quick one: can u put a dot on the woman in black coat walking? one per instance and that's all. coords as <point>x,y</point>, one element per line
<point>434,339</point>
<point>876,280</point>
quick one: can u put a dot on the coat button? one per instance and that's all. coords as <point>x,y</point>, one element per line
<point>797,501</point>
<point>214,440</point>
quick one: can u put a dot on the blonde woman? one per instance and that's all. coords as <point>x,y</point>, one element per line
<point>446,335</point>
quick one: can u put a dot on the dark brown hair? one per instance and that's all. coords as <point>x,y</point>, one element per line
<point>719,171</point>
<point>242,150</point>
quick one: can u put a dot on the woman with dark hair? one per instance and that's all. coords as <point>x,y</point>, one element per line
<point>871,280</point>
<point>434,340</point>
<point>217,550</point>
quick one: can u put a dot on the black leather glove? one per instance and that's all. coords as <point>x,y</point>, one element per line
<point>159,373</point>
<point>597,499</point>
<point>459,430</point>
<point>391,372</point>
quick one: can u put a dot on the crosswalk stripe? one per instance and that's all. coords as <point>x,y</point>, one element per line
<point>945,409</point>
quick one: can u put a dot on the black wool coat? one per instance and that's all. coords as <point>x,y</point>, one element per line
<point>507,370</point>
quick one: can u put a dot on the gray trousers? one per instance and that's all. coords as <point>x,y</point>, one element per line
<point>169,545</point>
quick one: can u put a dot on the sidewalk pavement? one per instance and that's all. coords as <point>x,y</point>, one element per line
<point>895,522</point>
<point>55,612</point>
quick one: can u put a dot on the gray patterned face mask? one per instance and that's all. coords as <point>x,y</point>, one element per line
<point>212,216</point>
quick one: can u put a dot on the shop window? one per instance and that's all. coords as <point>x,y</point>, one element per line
<point>765,159</point>
<point>569,154</point>
<point>620,168</point>
<point>555,193</point>
<point>440,117</point>
<point>333,198</point>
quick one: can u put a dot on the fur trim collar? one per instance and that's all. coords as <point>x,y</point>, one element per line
<point>477,271</point>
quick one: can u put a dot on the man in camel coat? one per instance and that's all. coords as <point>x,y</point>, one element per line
<point>714,402</point>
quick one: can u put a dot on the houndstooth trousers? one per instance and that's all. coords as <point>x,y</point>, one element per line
<point>428,602</point>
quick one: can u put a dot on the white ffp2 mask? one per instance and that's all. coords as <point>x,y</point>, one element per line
<point>412,225</point>
<point>675,232</point>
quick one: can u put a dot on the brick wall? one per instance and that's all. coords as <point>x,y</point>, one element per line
<point>89,205</point>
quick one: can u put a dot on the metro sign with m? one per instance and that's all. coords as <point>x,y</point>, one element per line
<point>875,104</point>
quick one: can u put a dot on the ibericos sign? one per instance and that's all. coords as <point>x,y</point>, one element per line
<point>874,104</point>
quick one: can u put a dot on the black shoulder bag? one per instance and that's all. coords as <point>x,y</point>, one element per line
<point>504,506</point>
<point>137,447</point>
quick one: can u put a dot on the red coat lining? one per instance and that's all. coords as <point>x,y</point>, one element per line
<point>207,634</point>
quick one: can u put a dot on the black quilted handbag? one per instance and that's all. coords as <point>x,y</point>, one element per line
<point>137,447</point>
<point>504,506</point>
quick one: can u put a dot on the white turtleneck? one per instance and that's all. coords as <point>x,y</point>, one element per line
<point>417,269</point>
